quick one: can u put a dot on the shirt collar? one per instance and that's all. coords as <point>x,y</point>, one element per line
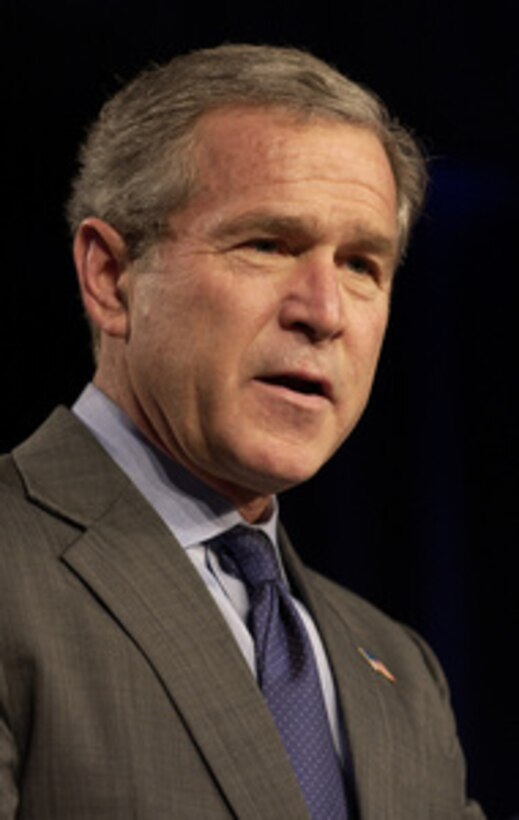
<point>193,511</point>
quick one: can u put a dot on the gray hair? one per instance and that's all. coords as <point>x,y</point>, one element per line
<point>136,164</point>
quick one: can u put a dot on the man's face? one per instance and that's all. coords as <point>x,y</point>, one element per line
<point>254,332</point>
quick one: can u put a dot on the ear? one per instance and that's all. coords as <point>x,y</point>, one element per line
<point>101,260</point>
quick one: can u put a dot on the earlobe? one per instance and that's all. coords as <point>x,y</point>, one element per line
<point>101,261</point>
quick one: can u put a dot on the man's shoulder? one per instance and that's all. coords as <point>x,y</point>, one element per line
<point>41,448</point>
<point>348,603</point>
<point>23,482</point>
<point>11,484</point>
<point>377,633</point>
<point>59,465</point>
<point>360,623</point>
<point>56,481</point>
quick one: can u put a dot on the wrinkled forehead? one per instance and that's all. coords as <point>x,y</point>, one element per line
<point>245,139</point>
<point>260,156</point>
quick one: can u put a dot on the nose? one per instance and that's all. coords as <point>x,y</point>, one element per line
<point>314,303</point>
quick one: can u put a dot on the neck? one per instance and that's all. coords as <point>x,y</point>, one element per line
<point>254,508</point>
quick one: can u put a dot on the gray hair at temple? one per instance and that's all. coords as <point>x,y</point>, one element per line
<point>137,163</point>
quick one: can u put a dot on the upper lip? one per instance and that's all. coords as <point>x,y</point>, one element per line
<point>303,381</point>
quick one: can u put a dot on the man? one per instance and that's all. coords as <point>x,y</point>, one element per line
<point>238,218</point>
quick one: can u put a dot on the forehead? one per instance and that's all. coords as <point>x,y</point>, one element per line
<point>242,151</point>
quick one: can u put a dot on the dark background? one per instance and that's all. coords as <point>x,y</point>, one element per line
<point>418,512</point>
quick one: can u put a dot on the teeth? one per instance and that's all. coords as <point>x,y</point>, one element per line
<point>297,385</point>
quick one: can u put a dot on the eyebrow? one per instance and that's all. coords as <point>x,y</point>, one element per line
<point>373,242</point>
<point>361,239</point>
<point>268,222</point>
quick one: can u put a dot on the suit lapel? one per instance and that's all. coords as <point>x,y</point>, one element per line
<point>365,716</point>
<point>128,558</point>
<point>365,699</point>
<point>389,759</point>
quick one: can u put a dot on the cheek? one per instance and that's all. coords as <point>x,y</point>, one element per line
<point>234,323</point>
<point>368,338</point>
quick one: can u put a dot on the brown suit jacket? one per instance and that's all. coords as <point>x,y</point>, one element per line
<point>123,694</point>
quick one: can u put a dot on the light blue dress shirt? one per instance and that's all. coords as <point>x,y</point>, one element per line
<point>195,513</point>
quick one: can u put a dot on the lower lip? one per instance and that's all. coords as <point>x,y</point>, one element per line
<point>307,401</point>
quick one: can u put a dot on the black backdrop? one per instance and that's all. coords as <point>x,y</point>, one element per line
<point>418,510</point>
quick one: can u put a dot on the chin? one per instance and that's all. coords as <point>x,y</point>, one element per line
<point>273,472</point>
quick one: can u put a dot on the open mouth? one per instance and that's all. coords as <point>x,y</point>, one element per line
<point>307,387</point>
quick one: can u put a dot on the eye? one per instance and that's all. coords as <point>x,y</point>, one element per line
<point>362,265</point>
<point>266,245</point>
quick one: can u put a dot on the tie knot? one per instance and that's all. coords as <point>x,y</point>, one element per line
<point>247,554</point>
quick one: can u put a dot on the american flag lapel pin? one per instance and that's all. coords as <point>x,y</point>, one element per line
<point>377,665</point>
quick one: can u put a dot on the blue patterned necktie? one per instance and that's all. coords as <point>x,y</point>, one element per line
<point>286,670</point>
